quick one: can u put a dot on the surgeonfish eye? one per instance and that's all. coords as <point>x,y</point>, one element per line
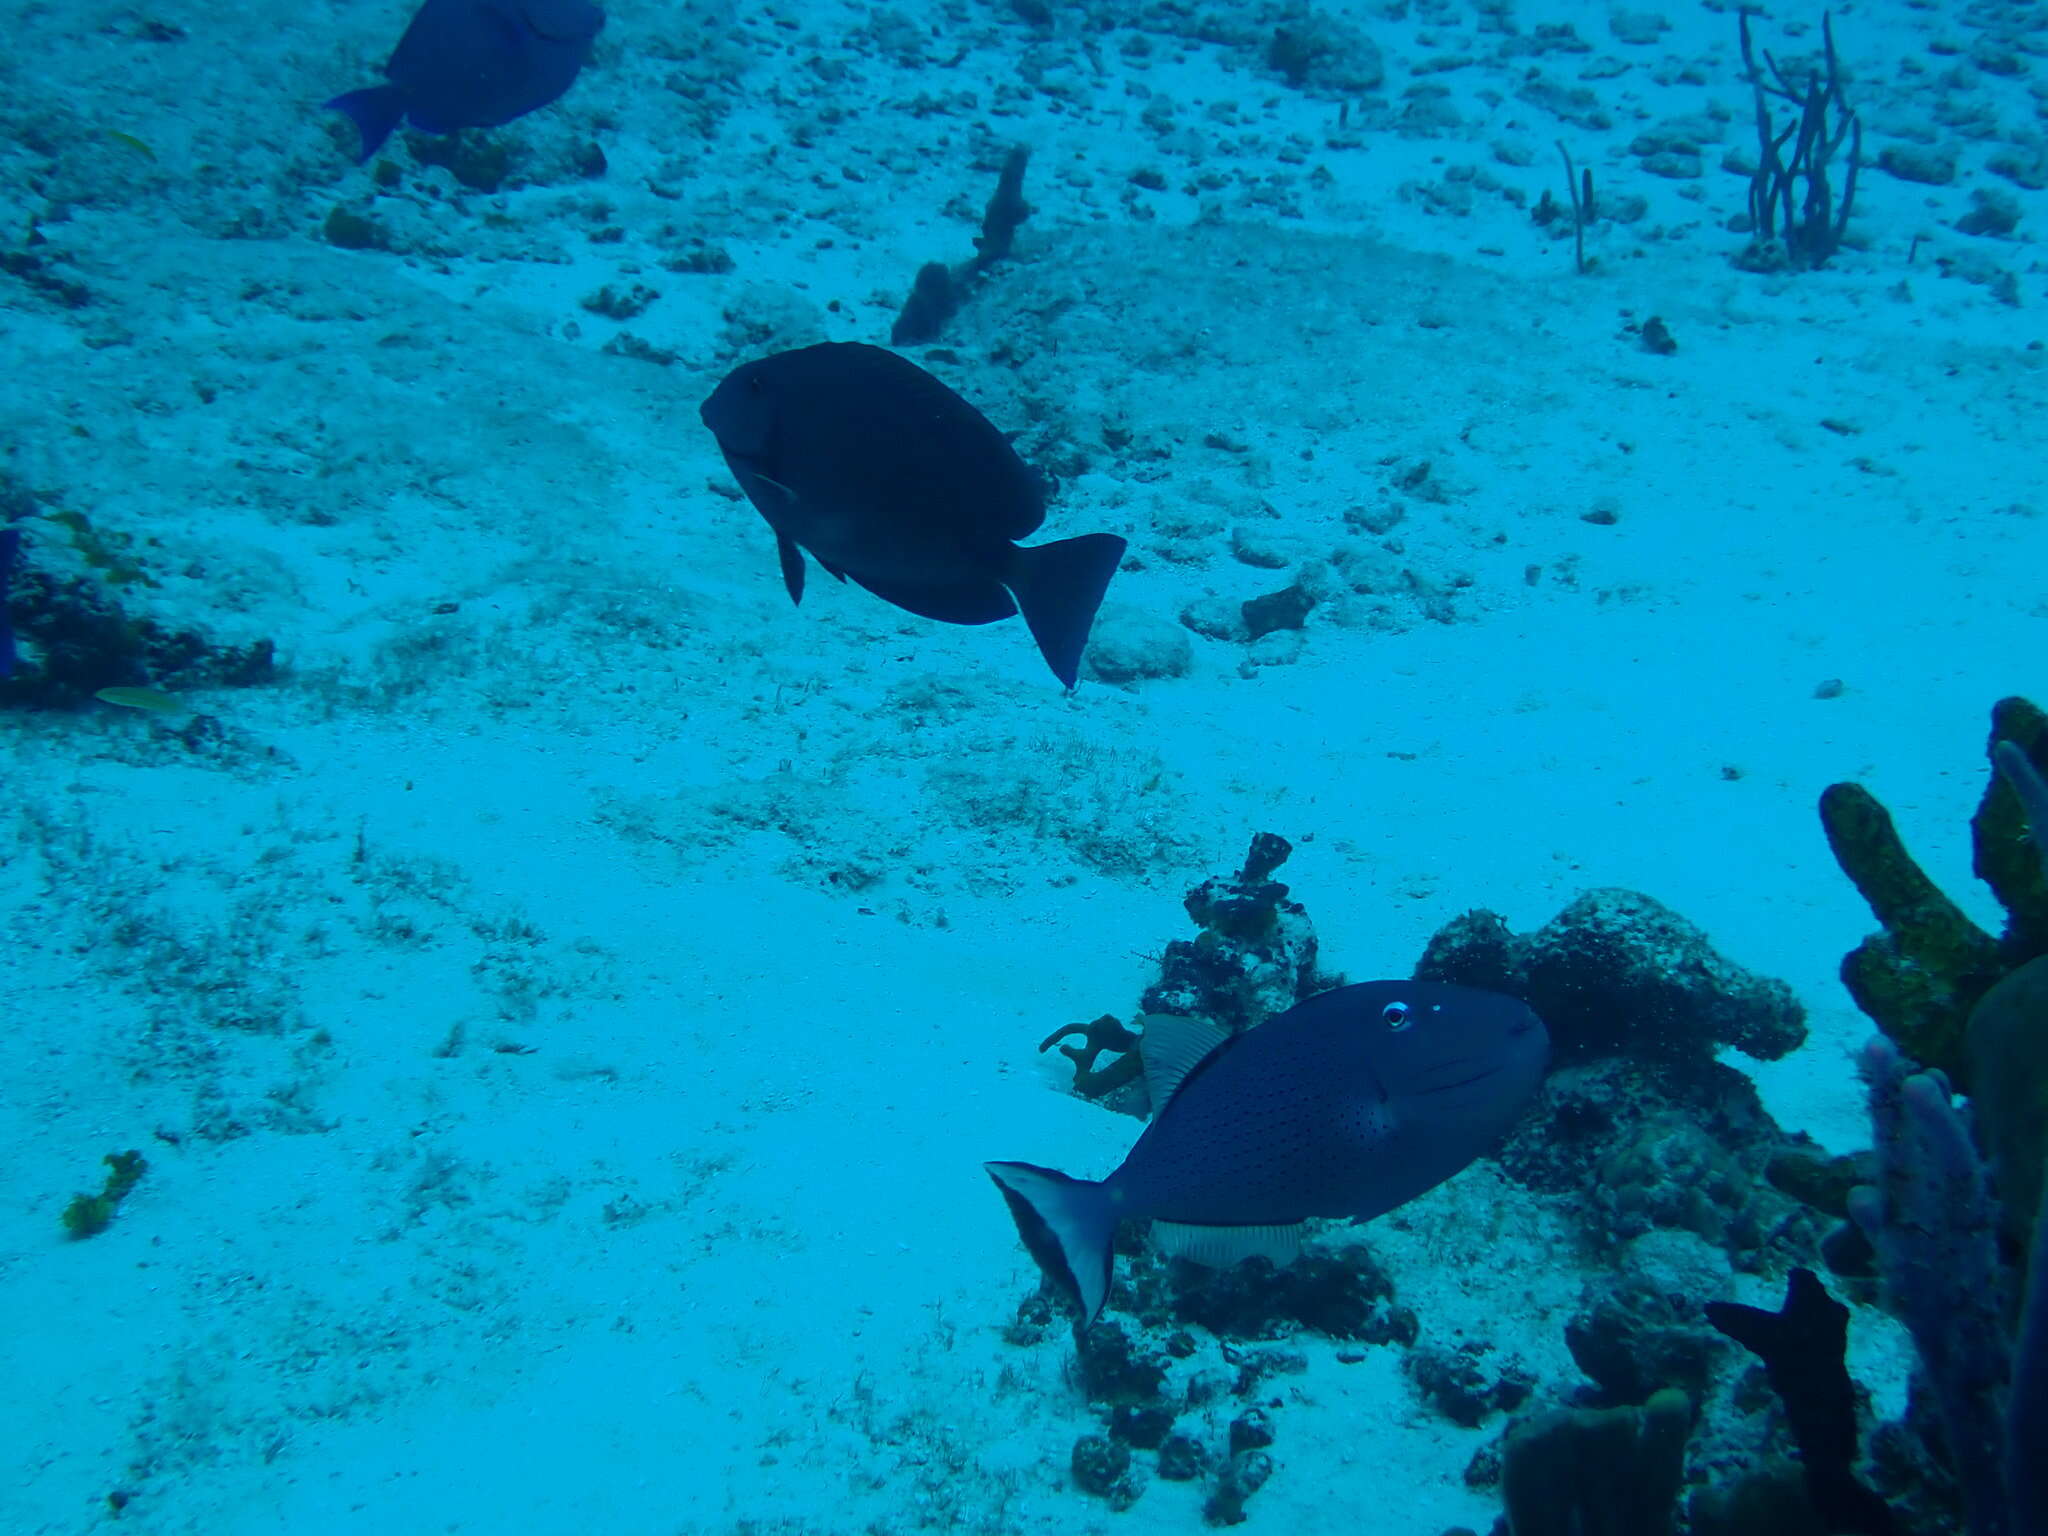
<point>1395,1016</point>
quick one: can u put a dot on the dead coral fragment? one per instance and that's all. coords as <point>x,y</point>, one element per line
<point>1618,973</point>
<point>1254,957</point>
<point>1104,1034</point>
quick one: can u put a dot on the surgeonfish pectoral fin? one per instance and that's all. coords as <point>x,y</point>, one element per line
<point>1172,1047</point>
<point>1221,1247</point>
<point>792,566</point>
<point>1059,586</point>
<point>1067,1224</point>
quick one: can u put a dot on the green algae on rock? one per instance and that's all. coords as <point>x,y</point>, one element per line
<point>1921,974</point>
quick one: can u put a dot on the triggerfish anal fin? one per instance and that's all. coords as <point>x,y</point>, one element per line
<point>10,551</point>
<point>1221,1247</point>
<point>968,600</point>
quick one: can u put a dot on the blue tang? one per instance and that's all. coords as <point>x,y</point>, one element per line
<point>893,481</point>
<point>1349,1104</point>
<point>474,64</point>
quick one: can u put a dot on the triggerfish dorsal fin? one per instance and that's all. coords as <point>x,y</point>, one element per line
<point>1172,1047</point>
<point>1221,1247</point>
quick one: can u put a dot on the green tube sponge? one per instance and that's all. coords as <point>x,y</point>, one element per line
<point>1922,973</point>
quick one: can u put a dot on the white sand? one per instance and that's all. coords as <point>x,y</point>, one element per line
<point>564,1030</point>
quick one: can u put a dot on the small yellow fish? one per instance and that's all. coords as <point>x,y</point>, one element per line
<point>154,700</point>
<point>132,142</point>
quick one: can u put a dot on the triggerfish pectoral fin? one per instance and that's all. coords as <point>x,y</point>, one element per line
<point>375,110</point>
<point>1067,1224</point>
<point>1059,586</point>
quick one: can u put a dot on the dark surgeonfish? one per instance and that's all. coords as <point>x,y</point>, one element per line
<point>893,481</point>
<point>474,64</point>
<point>1349,1104</point>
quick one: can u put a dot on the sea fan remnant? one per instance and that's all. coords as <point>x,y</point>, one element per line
<point>1794,221</point>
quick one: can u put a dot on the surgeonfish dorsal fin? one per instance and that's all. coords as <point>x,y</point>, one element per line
<point>1221,1247</point>
<point>1172,1047</point>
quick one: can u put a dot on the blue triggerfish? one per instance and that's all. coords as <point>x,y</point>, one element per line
<point>2032,790</point>
<point>893,481</point>
<point>1349,1104</point>
<point>474,64</point>
<point>10,551</point>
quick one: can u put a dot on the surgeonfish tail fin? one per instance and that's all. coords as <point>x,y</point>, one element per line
<point>375,110</point>
<point>1059,586</point>
<point>1067,1224</point>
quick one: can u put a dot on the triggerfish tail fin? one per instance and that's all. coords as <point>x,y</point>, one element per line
<point>375,110</point>
<point>1067,1224</point>
<point>1059,586</point>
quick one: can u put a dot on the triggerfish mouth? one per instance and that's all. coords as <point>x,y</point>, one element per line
<point>1349,1104</point>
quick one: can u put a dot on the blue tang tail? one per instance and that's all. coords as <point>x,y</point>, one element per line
<point>375,110</point>
<point>1067,1224</point>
